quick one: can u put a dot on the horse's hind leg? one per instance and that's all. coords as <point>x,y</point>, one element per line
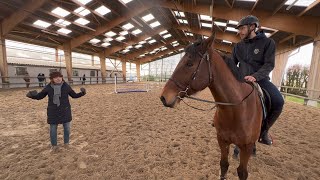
<point>224,164</point>
<point>236,151</point>
<point>245,152</point>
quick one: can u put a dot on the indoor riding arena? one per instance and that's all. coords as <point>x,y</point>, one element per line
<point>125,54</point>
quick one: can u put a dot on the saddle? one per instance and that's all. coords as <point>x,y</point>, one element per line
<point>265,99</point>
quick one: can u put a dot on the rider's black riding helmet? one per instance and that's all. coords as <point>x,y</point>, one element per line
<point>248,20</point>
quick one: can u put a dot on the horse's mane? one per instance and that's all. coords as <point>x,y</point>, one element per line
<point>193,49</point>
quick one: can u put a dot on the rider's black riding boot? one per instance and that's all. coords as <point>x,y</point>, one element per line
<point>270,120</point>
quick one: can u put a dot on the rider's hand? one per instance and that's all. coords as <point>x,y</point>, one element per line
<point>250,78</point>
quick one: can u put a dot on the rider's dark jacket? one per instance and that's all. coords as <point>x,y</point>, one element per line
<point>256,56</point>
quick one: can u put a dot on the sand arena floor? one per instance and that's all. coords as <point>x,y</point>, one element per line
<point>132,136</point>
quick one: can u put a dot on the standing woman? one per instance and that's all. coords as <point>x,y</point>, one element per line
<point>59,108</point>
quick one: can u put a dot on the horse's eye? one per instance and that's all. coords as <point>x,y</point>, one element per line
<point>189,64</point>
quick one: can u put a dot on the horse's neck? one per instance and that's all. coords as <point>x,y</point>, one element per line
<point>225,87</point>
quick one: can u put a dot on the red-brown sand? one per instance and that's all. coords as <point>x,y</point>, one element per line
<point>132,136</point>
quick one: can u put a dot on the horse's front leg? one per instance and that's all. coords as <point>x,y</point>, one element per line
<point>224,164</point>
<point>245,152</point>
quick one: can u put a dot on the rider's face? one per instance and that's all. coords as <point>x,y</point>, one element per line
<point>244,30</point>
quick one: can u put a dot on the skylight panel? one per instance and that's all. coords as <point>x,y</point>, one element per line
<point>220,23</point>
<point>167,36</point>
<point>142,55</point>
<point>128,47</point>
<point>164,48</point>
<point>189,34</point>
<point>108,39</point>
<point>155,24</point>
<point>303,3</point>
<point>82,21</point>
<point>205,37</point>
<point>233,22</point>
<point>148,38</point>
<point>105,44</point>
<point>123,33</point>
<point>181,49</point>
<point>231,29</point>
<point>225,41</point>
<point>82,11</point>
<point>110,34</point>
<point>179,14</point>
<point>206,25</point>
<point>183,21</point>
<point>60,12</point>
<point>126,1</point>
<point>94,41</point>
<point>174,42</point>
<point>126,50</point>
<point>163,32</point>
<point>205,18</point>
<point>152,41</point>
<point>148,17</point>
<point>42,24</point>
<point>84,2</point>
<point>137,31</point>
<point>142,42</point>
<point>120,38</point>
<point>64,31</point>
<point>138,46</point>
<point>62,22</point>
<point>128,26</point>
<point>102,10</point>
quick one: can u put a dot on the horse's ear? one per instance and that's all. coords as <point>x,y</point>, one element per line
<point>209,42</point>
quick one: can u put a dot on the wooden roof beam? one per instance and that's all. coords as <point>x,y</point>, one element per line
<point>280,21</point>
<point>287,38</point>
<point>309,7</point>
<point>254,6</point>
<point>279,7</point>
<point>14,19</point>
<point>219,35</point>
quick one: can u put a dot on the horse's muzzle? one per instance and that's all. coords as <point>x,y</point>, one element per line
<point>164,102</point>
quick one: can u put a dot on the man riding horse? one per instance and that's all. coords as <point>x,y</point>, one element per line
<point>255,57</point>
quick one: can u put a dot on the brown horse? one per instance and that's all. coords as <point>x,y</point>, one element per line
<point>238,121</point>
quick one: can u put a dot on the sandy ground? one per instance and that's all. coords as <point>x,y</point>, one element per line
<point>132,136</point>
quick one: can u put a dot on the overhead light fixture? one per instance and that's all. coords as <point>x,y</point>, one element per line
<point>82,11</point>
<point>148,17</point>
<point>155,24</point>
<point>102,10</point>
<point>128,26</point>
<point>82,21</point>
<point>64,31</point>
<point>60,12</point>
<point>110,34</point>
<point>42,24</point>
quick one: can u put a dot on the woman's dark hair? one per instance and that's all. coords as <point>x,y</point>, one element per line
<point>55,74</point>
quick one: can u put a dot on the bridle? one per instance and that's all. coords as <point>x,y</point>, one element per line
<point>184,89</point>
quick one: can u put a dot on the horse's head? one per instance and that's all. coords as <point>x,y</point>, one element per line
<point>192,74</point>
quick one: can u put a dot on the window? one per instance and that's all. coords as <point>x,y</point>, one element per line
<point>21,71</point>
<point>53,70</point>
<point>75,73</point>
<point>93,73</point>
